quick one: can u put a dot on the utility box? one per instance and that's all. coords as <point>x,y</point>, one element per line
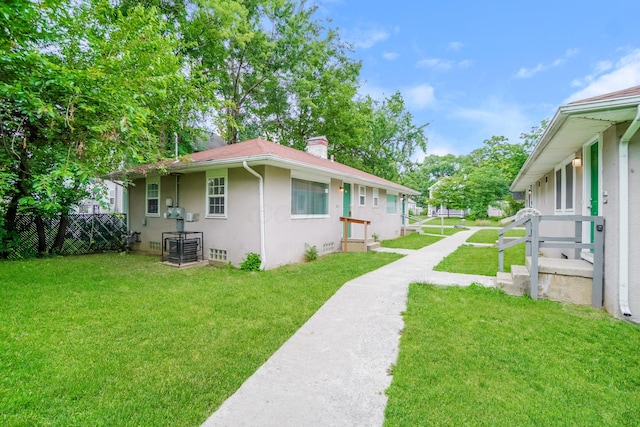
<point>174,213</point>
<point>192,217</point>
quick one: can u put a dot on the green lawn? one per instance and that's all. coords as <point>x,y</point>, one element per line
<point>490,235</point>
<point>469,259</point>
<point>115,340</point>
<point>476,356</point>
<point>458,221</point>
<point>411,241</point>
<point>437,230</point>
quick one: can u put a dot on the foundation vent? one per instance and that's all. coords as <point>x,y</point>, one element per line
<point>217,254</point>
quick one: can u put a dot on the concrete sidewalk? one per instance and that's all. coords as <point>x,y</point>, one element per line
<point>334,370</point>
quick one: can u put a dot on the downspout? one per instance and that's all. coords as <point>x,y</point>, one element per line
<point>623,212</point>
<point>263,252</point>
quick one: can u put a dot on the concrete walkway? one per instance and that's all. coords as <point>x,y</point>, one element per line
<point>334,370</point>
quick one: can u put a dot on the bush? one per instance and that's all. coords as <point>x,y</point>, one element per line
<point>251,262</point>
<point>311,253</point>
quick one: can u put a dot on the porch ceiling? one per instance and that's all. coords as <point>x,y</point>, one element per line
<point>569,130</point>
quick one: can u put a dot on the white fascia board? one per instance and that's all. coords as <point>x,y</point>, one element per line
<point>270,159</point>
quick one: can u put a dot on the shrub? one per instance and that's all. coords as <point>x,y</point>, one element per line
<point>311,253</point>
<point>251,262</point>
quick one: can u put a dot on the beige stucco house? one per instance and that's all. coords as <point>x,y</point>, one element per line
<point>258,196</point>
<point>587,162</point>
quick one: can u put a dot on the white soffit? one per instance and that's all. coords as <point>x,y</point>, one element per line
<point>575,129</point>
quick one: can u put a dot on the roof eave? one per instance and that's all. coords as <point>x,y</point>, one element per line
<point>277,160</point>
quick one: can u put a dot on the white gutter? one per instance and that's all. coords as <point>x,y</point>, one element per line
<point>263,252</point>
<point>273,159</point>
<point>623,211</point>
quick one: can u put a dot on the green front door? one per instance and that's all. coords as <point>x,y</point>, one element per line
<point>593,169</point>
<point>346,203</point>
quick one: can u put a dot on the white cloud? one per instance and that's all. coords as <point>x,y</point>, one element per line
<point>455,46</point>
<point>420,96</point>
<point>366,37</point>
<point>435,63</point>
<point>374,91</point>
<point>390,56</point>
<point>609,77</point>
<point>495,117</point>
<point>525,73</point>
<point>440,64</point>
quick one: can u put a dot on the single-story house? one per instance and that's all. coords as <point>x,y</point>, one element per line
<point>587,162</point>
<point>260,197</point>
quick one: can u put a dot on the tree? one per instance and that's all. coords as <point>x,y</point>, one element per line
<point>91,90</point>
<point>529,140</point>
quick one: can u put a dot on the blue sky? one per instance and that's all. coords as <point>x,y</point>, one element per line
<point>474,69</point>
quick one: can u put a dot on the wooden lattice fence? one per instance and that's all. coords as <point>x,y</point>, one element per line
<point>86,233</point>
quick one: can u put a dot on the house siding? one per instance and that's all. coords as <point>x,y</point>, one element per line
<point>286,237</point>
<point>545,202</point>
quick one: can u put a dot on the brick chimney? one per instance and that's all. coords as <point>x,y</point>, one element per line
<point>318,146</point>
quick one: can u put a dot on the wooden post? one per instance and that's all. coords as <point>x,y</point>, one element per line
<point>365,237</point>
<point>345,236</point>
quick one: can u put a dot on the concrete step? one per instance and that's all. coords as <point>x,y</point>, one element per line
<point>514,283</point>
<point>372,246</point>
<point>521,279</point>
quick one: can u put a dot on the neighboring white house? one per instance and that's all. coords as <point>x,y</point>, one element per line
<point>258,196</point>
<point>587,162</point>
<point>112,201</point>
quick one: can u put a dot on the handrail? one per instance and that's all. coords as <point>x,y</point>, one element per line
<point>415,219</point>
<point>534,241</point>
<point>345,236</point>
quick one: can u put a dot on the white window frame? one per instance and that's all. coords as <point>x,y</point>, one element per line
<point>395,205</point>
<point>311,178</point>
<point>362,195</point>
<point>561,171</point>
<point>148,182</point>
<point>376,197</point>
<point>212,174</point>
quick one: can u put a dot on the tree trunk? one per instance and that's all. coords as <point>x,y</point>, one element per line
<point>62,231</point>
<point>9,226</point>
<point>42,238</point>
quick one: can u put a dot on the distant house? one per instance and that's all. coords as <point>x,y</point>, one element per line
<point>112,201</point>
<point>587,162</point>
<point>258,196</point>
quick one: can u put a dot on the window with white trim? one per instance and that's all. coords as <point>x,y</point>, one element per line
<point>153,197</point>
<point>362,192</point>
<point>376,197</point>
<point>309,198</point>
<point>392,203</point>
<point>565,177</point>
<point>217,190</point>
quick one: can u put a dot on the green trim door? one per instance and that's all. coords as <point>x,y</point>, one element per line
<point>594,174</point>
<point>346,203</point>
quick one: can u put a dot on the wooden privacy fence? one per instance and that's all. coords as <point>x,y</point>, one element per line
<point>86,233</point>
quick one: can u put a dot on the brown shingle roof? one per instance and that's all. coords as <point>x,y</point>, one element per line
<point>258,148</point>
<point>624,93</point>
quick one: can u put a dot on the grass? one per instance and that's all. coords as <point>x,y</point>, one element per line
<point>121,340</point>
<point>476,356</point>
<point>437,230</point>
<point>489,235</point>
<point>480,260</point>
<point>411,241</point>
<point>493,222</point>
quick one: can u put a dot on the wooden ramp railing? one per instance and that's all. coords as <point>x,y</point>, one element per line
<point>345,233</point>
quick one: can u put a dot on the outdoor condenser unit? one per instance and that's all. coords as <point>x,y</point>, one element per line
<point>183,250</point>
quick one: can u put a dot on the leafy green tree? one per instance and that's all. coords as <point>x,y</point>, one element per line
<point>93,89</point>
<point>529,140</point>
